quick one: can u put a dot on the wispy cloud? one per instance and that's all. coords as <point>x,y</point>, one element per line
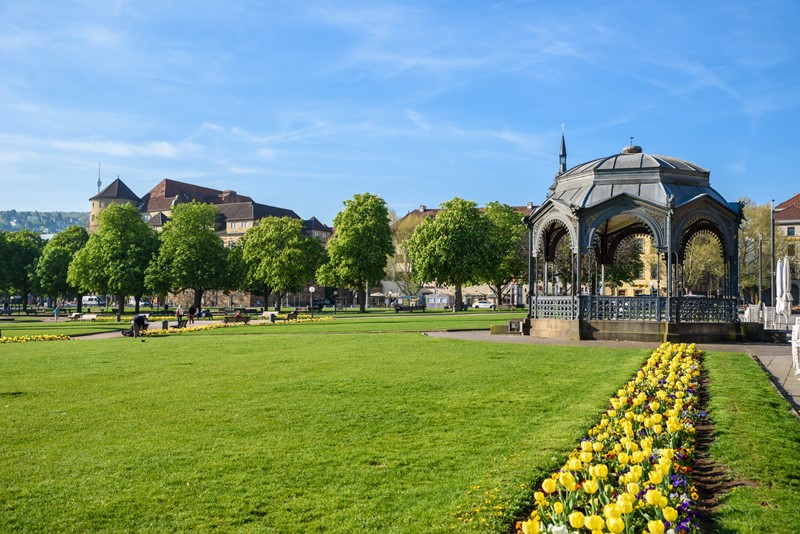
<point>417,119</point>
<point>120,149</point>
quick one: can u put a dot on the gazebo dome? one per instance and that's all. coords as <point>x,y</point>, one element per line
<point>651,178</point>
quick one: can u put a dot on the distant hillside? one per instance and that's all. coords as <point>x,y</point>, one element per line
<point>42,222</point>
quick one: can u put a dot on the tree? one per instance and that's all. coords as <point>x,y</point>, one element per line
<point>454,248</point>
<point>626,265</point>
<point>360,246</point>
<point>51,270</point>
<point>116,257</point>
<point>510,238</point>
<point>279,257</point>
<point>754,228</point>
<point>192,255</point>
<point>399,266</point>
<point>22,251</point>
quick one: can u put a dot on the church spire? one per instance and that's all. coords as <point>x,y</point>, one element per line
<point>562,155</point>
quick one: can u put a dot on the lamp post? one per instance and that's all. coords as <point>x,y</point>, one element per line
<point>390,297</point>
<point>335,301</point>
<point>311,300</point>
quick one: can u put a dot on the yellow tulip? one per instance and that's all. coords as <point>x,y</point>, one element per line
<point>635,473</point>
<point>558,507</point>
<point>637,457</point>
<point>633,488</point>
<point>656,477</point>
<point>590,487</point>
<point>657,429</point>
<point>539,497</point>
<point>594,522</point>
<point>549,485</point>
<point>530,527</point>
<point>597,446</point>
<point>576,519</point>
<point>574,464</point>
<point>615,525</point>
<point>599,471</point>
<point>623,458</point>
<point>625,502</point>
<point>586,446</point>
<point>586,457</point>
<point>655,527</point>
<point>612,510</point>
<point>653,497</point>
<point>567,480</point>
<point>670,514</point>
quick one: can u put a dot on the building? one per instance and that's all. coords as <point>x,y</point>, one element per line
<point>787,223</point>
<point>238,212</point>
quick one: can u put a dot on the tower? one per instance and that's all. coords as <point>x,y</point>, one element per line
<point>562,155</point>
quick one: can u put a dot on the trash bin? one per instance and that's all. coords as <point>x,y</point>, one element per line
<point>515,326</point>
<point>272,317</point>
<point>117,317</point>
<point>164,325</point>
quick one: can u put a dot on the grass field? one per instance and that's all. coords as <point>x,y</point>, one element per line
<point>341,426</point>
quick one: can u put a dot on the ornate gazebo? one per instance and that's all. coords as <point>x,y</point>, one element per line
<point>599,204</point>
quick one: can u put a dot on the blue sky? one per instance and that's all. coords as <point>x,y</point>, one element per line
<point>302,104</point>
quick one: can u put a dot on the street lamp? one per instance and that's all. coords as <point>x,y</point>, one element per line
<point>390,297</point>
<point>335,301</point>
<point>311,300</point>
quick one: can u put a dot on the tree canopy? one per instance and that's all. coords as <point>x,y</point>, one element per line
<point>454,248</point>
<point>116,256</point>
<point>510,238</point>
<point>191,255</point>
<point>58,252</point>
<point>279,257</point>
<point>21,251</point>
<point>361,244</point>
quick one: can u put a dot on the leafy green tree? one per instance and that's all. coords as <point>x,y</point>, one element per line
<point>192,255</point>
<point>22,251</point>
<point>755,228</point>
<point>361,244</point>
<point>454,248</point>
<point>279,257</point>
<point>53,264</point>
<point>115,258</point>
<point>510,238</point>
<point>399,268</point>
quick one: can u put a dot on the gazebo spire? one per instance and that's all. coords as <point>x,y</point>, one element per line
<point>562,155</point>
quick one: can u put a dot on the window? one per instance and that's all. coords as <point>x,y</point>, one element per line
<point>653,271</point>
<point>790,230</point>
<point>234,225</point>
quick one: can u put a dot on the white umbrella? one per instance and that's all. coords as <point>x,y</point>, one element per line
<point>778,290</point>
<point>787,290</point>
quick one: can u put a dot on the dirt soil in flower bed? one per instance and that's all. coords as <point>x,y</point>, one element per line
<point>709,477</point>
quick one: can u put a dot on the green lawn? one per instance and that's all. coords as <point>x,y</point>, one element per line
<point>333,427</point>
<point>284,433</point>
<point>758,441</point>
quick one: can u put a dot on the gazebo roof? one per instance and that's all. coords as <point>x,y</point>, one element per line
<point>648,177</point>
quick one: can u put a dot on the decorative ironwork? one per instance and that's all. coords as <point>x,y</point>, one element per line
<point>642,308</point>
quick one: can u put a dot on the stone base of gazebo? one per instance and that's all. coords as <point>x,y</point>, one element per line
<point>648,331</point>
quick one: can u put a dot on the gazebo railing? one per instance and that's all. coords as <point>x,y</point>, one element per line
<point>642,308</point>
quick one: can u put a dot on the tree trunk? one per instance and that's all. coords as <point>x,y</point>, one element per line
<point>121,304</point>
<point>278,298</point>
<point>267,293</point>
<point>79,303</point>
<point>457,303</point>
<point>198,297</point>
<point>362,304</point>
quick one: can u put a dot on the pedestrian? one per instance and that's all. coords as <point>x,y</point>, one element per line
<point>56,311</point>
<point>137,323</point>
<point>179,314</point>
<point>192,311</point>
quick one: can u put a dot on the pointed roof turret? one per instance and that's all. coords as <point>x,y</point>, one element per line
<point>562,155</point>
<point>118,190</point>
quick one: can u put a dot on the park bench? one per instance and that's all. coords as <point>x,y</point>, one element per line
<point>270,316</point>
<point>88,317</point>
<point>74,316</point>
<point>291,316</point>
<point>234,319</point>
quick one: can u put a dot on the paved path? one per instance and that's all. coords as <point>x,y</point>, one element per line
<point>775,358</point>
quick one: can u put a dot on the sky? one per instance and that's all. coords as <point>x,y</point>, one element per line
<point>303,104</point>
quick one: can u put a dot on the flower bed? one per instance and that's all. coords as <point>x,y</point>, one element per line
<point>215,326</point>
<point>633,471</point>
<point>27,339</point>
